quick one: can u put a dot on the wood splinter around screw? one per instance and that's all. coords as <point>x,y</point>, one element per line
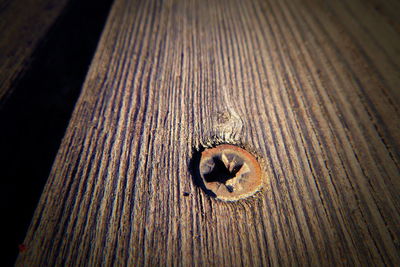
<point>230,172</point>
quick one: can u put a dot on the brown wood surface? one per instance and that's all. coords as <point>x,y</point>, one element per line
<point>312,86</point>
<point>23,24</point>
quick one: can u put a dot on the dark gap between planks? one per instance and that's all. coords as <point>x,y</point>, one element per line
<point>34,118</point>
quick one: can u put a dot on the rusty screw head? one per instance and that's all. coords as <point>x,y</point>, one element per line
<point>230,172</point>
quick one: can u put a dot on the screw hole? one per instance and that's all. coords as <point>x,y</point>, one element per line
<point>229,172</point>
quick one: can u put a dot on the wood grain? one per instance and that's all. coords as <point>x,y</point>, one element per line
<point>23,24</point>
<point>311,86</point>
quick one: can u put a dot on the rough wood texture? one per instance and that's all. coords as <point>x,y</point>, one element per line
<point>312,86</point>
<point>22,25</point>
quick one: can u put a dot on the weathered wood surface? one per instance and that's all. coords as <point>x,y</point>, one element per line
<point>312,86</point>
<point>23,24</point>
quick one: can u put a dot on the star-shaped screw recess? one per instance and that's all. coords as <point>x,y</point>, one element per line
<point>230,172</point>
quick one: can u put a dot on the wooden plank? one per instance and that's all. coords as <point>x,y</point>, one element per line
<point>23,24</point>
<point>305,84</point>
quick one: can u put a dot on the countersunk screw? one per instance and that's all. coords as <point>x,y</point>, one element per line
<point>230,172</point>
